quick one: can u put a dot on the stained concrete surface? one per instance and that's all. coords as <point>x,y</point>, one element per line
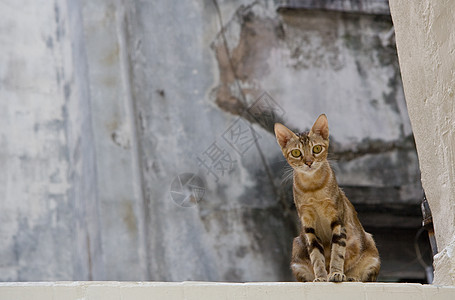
<point>106,103</point>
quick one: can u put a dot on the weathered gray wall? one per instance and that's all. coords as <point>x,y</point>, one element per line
<point>105,103</point>
<point>48,175</point>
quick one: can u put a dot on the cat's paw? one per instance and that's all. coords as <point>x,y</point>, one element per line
<point>320,279</point>
<point>337,277</point>
<point>352,279</point>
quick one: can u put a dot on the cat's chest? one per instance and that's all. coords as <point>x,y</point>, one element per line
<point>318,213</point>
<point>322,226</point>
<point>317,198</point>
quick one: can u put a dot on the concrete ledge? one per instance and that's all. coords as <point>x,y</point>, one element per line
<point>209,290</point>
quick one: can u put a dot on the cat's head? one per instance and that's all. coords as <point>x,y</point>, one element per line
<point>305,152</point>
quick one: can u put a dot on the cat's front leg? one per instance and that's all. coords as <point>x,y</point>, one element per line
<point>338,252</point>
<point>316,251</point>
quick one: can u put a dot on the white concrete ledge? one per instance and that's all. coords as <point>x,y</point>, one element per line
<point>209,290</point>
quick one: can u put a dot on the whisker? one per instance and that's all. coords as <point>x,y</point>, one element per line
<point>331,156</point>
<point>333,161</point>
<point>288,173</point>
<point>280,161</point>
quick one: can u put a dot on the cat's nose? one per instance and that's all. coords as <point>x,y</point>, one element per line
<point>308,163</point>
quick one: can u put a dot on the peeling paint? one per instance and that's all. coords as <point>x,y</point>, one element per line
<point>258,34</point>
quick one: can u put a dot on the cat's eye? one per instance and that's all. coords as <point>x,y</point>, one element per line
<point>296,153</point>
<point>317,149</point>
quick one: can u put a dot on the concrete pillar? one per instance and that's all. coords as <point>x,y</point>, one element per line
<point>425,36</point>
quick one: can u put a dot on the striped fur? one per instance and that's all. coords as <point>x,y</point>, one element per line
<point>332,246</point>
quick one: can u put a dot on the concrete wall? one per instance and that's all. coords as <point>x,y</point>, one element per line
<point>425,34</point>
<point>48,176</point>
<point>105,105</point>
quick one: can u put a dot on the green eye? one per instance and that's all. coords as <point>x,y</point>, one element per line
<point>317,149</point>
<point>296,153</point>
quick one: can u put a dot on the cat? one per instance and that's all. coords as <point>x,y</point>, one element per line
<point>332,245</point>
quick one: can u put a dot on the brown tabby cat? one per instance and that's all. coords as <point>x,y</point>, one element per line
<point>332,240</point>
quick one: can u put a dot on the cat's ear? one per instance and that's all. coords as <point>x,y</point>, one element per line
<point>283,134</point>
<point>321,127</point>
